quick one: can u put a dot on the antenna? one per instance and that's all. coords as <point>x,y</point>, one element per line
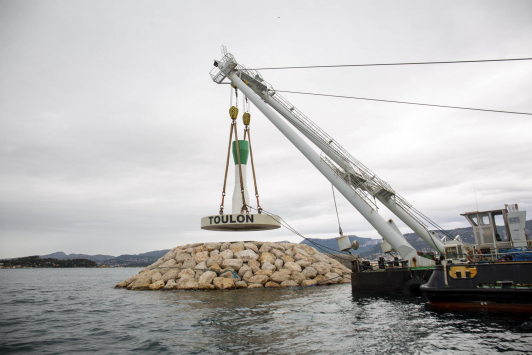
<point>475,191</point>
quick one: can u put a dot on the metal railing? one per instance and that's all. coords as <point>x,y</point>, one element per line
<point>347,178</point>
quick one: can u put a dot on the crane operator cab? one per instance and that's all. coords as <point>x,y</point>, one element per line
<point>499,236</point>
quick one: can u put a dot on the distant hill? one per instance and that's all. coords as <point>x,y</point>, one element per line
<point>62,256</point>
<point>136,260</point>
<point>131,260</point>
<point>38,262</point>
<point>331,245</point>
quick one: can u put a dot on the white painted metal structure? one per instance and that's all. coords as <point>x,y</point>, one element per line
<point>351,178</point>
<point>237,202</point>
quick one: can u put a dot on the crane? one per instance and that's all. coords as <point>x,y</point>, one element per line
<point>359,185</point>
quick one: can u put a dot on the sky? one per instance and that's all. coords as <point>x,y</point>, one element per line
<point>113,136</point>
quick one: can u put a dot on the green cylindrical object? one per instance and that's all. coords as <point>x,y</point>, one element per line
<point>244,151</point>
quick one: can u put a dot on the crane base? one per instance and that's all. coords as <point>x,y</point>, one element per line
<point>240,222</point>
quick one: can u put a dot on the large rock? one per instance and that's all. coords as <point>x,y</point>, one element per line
<point>186,272</point>
<point>280,277</point>
<point>299,256</point>
<point>168,263</point>
<point>213,246</point>
<point>303,263</point>
<point>299,253</point>
<point>267,258</point>
<point>307,248</point>
<point>254,265</point>
<point>310,272</point>
<point>201,268</point>
<point>255,286</point>
<point>221,283</point>
<point>271,284</point>
<point>228,274</point>
<point>170,285</point>
<point>285,271</point>
<point>226,254</point>
<point>156,277</point>
<point>189,263</point>
<point>201,256</point>
<point>264,272</point>
<point>121,284</point>
<point>187,283</point>
<point>320,279</point>
<point>214,259</point>
<point>278,246</point>
<point>268,266</point>
<point>200,249</point>
<point>131,279</point>
<point>337,271</point>
<point>215,268</point>
<point>278,264</point>
<point>298,277</point>
<point>292,266</point>
<point>206,278</point>
<point>287,259</point>
<point>251,246</point>
<point>241,284</point>
<point>157,285</point>
<point>307,283</point>
<point>171,274</point>
<point>224,246</point>
<point>320,258</point>
<point>333,278</point>
<point>265,248</point>
<point>181,257</point>
<point>236,247</point>
<point>247,275</point>
<point>233,264</point>
<point>242,271</point>
<point>142,282</point>
<point>246,255</point>
<point>289,283</point>
<point>321,268</point>
<point>277,253</point>
<point>261,279</point>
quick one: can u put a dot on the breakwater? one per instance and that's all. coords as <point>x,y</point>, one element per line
<point>239,265</point>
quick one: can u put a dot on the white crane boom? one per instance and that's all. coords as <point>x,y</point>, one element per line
<point>346,173</point>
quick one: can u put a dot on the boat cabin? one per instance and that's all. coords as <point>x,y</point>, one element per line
<point>498,229</point>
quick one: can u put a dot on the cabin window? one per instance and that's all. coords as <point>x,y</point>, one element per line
<point>474,219</point>
<point>451,253</point>
<point>485,219</point>
<point>501,236</point>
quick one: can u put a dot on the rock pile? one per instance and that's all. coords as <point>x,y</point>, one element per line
<point>222,266</point>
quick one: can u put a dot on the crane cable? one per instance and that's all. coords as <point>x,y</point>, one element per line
<point>386,64</point>
<point>404,102</point>
<point>247,119</point>
<point>337,217</point>
<point>227,166</point>
<point>333,253</point>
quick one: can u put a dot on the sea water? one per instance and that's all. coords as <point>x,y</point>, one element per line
<point>70,311</point>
